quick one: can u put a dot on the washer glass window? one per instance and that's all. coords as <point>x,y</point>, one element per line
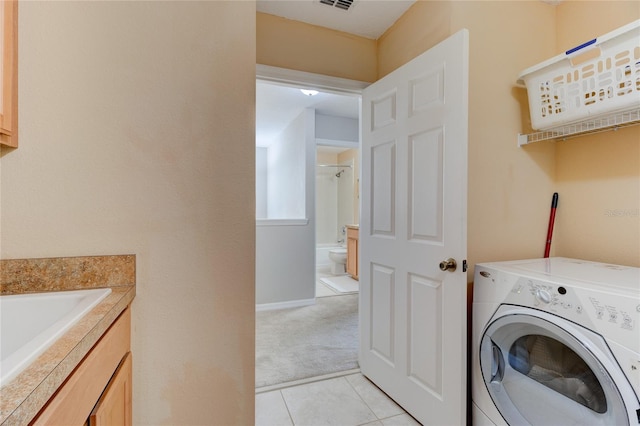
<point>555,365</point>
<point>538,373</point>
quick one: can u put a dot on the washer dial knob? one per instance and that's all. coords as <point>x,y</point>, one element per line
<point>543,296</point>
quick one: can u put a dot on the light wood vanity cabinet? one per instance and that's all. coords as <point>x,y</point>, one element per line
<point>98,392</point>
<point>9,73</point>
<point>352,252</point>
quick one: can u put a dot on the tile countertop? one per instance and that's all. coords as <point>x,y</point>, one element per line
<point>24,396</point>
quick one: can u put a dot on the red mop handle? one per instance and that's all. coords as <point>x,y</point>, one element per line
<point>552,219</point>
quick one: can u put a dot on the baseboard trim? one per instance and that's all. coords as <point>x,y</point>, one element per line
<point>285,305</point>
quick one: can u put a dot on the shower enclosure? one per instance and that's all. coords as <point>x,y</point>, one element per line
<point>336,199</point>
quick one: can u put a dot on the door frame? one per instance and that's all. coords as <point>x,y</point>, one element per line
<point>303,79</point>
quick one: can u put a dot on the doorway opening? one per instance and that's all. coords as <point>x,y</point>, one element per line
<point>302,140</point>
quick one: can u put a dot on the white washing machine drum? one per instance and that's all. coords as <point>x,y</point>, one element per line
<point>543,370</point>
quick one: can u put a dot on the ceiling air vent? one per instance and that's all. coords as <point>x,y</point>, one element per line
<point>340,4</point>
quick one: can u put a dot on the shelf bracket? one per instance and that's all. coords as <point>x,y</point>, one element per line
<point>522,139</point>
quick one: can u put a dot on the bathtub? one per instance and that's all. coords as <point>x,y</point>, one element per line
<point>322,254</point>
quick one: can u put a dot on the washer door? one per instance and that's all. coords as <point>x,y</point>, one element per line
<point>542,370</point>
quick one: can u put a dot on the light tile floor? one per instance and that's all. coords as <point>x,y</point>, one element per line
<point>342,401</point>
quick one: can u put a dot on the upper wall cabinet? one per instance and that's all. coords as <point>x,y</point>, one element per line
<point>9,73</point>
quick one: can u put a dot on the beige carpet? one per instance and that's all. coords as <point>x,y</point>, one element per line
<point>298,343</point>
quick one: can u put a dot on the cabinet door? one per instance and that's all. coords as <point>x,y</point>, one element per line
<point>352,253</point>
<point>114,406</point>
<point>9,73</point>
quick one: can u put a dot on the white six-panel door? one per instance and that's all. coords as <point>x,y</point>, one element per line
<point>414,193</point>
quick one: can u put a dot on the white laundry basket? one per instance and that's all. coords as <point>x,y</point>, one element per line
<point>599,77</point>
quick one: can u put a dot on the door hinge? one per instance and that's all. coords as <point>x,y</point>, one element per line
<point>464,265</point>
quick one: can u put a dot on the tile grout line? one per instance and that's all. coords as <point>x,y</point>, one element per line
<point>362,399</point>
<point>371,409</point>
<point>287,407</point>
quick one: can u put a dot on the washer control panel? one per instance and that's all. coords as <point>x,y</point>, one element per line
<point>545,296</point>
<point>614,315</point>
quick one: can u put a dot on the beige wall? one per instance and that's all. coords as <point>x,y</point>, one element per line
<point>598,176</point>
<point>294,45</point>
<point>134,141</point>
<point>510,188</point>
<point>424,25</point>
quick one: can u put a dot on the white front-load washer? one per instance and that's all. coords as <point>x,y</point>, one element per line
<point>556,342</point>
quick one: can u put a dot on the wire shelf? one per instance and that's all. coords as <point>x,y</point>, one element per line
<point>594,125</point>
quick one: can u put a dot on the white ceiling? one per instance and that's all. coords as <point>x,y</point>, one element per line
<point>366,18</point>
<point>277,105</point>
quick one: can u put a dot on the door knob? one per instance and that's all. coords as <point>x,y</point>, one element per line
<point>448,265</point>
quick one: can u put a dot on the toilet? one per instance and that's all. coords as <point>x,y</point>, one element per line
<point>338,258</point>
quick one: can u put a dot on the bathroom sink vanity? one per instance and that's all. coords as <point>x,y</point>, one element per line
<point>84,375</point>
<point>352,250</point>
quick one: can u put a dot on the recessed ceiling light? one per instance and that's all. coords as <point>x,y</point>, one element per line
<point>309,92</point>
